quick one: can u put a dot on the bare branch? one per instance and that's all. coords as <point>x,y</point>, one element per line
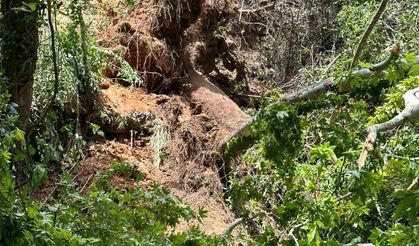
<point>410,112</point>
<point>414,183</point>
<point>229,229</point>
<point>367,33</point>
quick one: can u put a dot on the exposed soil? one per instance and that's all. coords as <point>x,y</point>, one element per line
<point>189,116</point>
<point>187,166</point>
<point>126,100</point>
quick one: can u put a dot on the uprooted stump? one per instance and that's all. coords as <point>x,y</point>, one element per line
<point>169,48</point>
<point>153,36</point>
<point>159,41</point>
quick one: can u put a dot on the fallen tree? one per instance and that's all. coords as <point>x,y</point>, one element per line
<point>315,91</point>
<point>170,49</point>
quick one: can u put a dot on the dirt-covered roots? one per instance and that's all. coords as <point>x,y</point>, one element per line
<point>154,60</point>
<point>173,17</point>
<point>151,58</point>
<point>152,40</point>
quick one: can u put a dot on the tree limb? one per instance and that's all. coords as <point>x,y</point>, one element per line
<point>414,183</point>
<point>367,33</point>
<point>409,113</point>
<point>328,84</point>
<point>319,89</point>
<point>231,227</point>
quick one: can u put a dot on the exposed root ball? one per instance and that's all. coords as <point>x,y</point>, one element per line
<point>153,59</point>
<point>173,17</point>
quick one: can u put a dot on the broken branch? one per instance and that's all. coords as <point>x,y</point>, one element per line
<point>410,112</point>
<point>315,91</point>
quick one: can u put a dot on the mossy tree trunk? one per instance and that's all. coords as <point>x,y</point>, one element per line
<point>19,52</point>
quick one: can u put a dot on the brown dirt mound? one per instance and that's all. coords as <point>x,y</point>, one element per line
<point>126,100</point>
<point>183,161</point>
<point>180,151</point>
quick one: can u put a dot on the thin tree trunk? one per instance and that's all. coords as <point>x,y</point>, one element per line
<point>19,54</point>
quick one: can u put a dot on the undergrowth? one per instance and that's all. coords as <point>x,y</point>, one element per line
<point>300,184</point>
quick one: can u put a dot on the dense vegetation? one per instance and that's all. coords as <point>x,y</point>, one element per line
<point>303,175</point>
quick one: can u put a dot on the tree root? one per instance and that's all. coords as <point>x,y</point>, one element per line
<point>410,113</point>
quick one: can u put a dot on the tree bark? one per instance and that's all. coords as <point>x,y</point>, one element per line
<point>19,54</point>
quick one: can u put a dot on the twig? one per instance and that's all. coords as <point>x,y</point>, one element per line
<point>258,97</point>
<point>293,237</point>
<point>330,65</point>
<point>84,186</point>
<point>256,9</point>
<point>367,33</point>
<point>241,11</point>
<point>385,158</point>
<point>414,184</point>
<point>344,196</point>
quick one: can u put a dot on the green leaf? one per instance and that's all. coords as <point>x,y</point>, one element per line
<point>355,173</point>
<point>414,70</point>
<point>282,114</point>
<point>32,6</point>
<point>410,57</point>
<point>39,175</point>
<point>407,205</point>
<point>33,212</point>
<point>312,234</point>
<point>5,156</point>
<point>31,149</point>
<point>19,134</point>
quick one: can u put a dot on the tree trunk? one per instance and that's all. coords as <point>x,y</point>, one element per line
<point>19,51</point>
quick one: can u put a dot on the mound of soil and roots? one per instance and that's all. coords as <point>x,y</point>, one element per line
<point>173,47</point>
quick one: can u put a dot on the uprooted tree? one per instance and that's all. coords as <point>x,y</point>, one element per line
<point>287,171</point>
<point>179,41</point>
<point>179,38</point>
